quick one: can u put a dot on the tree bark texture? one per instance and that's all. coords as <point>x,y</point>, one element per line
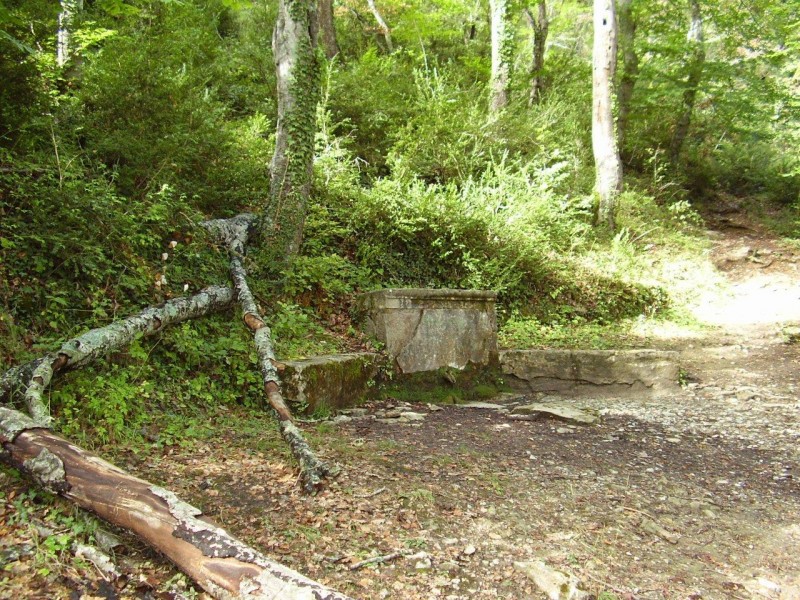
<point>695,41</point>
<point>219,563</point>
<point>294,47</point>
<point>385,31</point>
<point>608,167</point>
<point>630,68</point>
<point>327,29</point>
<point>539,25</point>
<point>66,18</point>
<point>234,233</point>
<point>501,57</point>
<point>31,379</point>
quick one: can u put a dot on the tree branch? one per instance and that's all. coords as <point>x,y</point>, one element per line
<point>234,234</point>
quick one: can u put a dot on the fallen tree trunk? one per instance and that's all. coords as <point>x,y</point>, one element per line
<point>219,563</point>
<point>31,379</point>
<point>234,234</point>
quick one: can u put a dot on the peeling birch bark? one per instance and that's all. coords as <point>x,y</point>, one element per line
<point>220,564</point>
<point>234,234</point>
<point>32,379</point>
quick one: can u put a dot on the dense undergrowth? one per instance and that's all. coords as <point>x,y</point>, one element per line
<point>166,119</point>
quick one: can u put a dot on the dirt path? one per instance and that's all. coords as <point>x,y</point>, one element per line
<point>692,496</point>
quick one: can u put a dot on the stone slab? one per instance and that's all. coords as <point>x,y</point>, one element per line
<point>329,382</point>
<point>428,329</point>
<point>592,372</point>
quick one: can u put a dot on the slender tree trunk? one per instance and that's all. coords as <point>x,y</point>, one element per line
<point>471,30</point>
<point>539,26</point>
<point>219,563</point>
<point>608,167</point>
<point>327,29</point>
<point>294,45</point>
<point>630,68</point>
<point>501,50</point>
<point>387,35</point>
<point>66,18</point>
<point>694,40</point>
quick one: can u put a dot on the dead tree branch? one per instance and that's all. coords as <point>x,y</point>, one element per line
<point>234,234</point>
<point>31,379</point>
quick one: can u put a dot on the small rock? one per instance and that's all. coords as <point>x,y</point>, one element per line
<point>561,413</point>
<point>342,419</point>
<point>469,550</point>
<point>106,540</point>
<point>449,566</point>
<point>555,584</point>
<point>356,413</point>
<point>769,585</point>
<point>478,404</point>
<point>434,407</point>
<point>738,254</point>
<point>563,430</point>
<point>412,416</point>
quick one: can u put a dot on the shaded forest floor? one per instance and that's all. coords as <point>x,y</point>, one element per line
<point>691,496</point>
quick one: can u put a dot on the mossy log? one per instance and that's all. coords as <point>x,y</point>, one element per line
<point>31,379</point>
<point>219,563</point>
<point>234,234</point>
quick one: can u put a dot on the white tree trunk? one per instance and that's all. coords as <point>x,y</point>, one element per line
<point>69,8</point>
<point>608,167</point>
<point>501,69</point>
<point>387,34</point>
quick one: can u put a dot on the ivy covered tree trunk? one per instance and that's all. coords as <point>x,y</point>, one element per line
<point>327,29</point>
<point>694,40</point>
<point>539,24</point>
<point>294,46</point>
<point>630,68</point>
<point>501,59</point>
<point>608,167</point>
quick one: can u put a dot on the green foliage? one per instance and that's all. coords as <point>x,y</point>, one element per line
<point>297,333</point>
<point>166,117</point>
<point>54,536</point>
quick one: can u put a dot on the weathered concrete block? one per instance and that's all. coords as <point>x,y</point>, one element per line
<point>426,329</point>
<point>595,372</point>
<point>329,382</point>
